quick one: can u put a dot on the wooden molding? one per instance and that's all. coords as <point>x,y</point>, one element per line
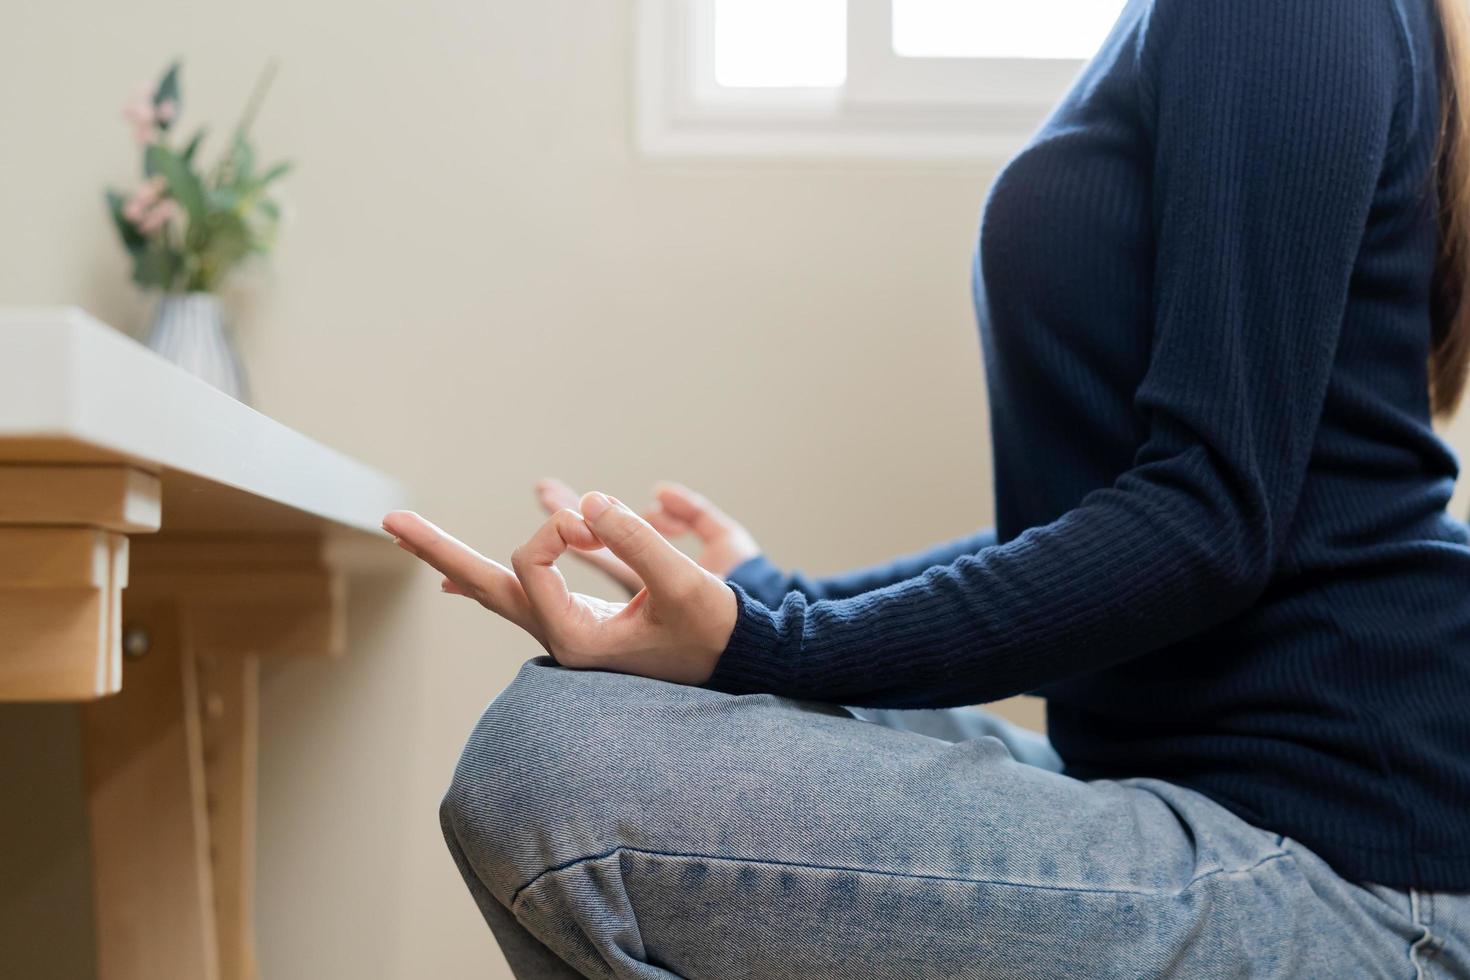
<point>255,594</point>
<point>63,566</point>
<point>117,498</point>
<point>54,558</point>
<point>60,613</point>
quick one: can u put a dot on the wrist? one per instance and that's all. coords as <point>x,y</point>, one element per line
<point>751,662</point>
<point>719,625</point>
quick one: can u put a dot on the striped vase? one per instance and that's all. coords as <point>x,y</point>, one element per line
<point>190,330</point>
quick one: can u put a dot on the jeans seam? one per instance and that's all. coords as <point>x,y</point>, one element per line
<point>771,862</point>
<point>632,912</point>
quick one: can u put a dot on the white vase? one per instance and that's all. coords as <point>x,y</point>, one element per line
<point>190,330</point>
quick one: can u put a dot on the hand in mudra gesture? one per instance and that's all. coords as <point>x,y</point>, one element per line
<point>674,627</point>
<point>677,511</point>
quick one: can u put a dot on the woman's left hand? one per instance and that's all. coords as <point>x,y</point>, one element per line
<point>674,629</point>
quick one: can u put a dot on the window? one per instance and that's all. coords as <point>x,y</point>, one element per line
<point>1061,29</point>
<point>876,78</point>
<point>780,43</point>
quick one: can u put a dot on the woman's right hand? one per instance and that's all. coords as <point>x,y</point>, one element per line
<point>677,510</point>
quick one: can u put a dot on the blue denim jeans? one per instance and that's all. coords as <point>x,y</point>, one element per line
<point>614,826</point>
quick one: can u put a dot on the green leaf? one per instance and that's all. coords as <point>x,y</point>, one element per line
<point>157,266</point>
<point>279,170</point>
<point>132,239</point>
<point>242,159</point>
<point>269,208</point>
<point>222,198</point>
<point>223,242</point>
<point>183,182</point>
<point>168,88</point>
<point>193,146</point>
<point>229,240</point>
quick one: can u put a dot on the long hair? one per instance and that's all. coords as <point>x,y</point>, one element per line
<point>1449,355</point>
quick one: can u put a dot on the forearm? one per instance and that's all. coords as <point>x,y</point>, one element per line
<point>768,584</point>
<point>1107,581</point>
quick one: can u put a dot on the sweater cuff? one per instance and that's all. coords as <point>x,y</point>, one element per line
<point>750,663</point>
<point>760,577</point>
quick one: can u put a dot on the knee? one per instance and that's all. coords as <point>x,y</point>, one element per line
<point>506,771</point>
<point>550,770</point>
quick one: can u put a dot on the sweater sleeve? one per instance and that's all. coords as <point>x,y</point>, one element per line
<point>1271,122</point>
<point>765,582</point>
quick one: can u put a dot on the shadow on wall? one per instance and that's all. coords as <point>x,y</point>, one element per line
<point>338,741</point>
<point>46,904</point>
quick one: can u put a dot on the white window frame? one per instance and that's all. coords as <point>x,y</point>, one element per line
<point>890,107</point>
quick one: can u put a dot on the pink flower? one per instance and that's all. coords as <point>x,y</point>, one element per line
<point>158,216</point>
<point>140,112</point>
<point>166,110</point>
<point>139,108</point>
<point>143,198</point>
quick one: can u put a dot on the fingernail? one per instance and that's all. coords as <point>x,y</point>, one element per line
<point>593,504</point>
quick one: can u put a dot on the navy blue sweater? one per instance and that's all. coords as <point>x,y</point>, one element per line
<point>1222,551</point>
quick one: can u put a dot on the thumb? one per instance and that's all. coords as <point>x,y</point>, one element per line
<point>662,567</point>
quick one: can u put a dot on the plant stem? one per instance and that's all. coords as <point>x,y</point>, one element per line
<point>257,96</point>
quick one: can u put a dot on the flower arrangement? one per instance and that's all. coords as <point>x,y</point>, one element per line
<point>187,227</point>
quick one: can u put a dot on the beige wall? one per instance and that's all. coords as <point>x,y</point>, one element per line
<point>483,283</point>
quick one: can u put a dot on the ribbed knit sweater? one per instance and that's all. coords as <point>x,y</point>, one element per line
<point>1222,551</point>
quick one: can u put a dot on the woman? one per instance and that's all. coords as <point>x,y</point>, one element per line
<point>1220,299</point>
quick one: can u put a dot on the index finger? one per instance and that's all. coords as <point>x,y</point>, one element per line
<point>438,547</point>
<point>535,563</point>
<point>487,582</point>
